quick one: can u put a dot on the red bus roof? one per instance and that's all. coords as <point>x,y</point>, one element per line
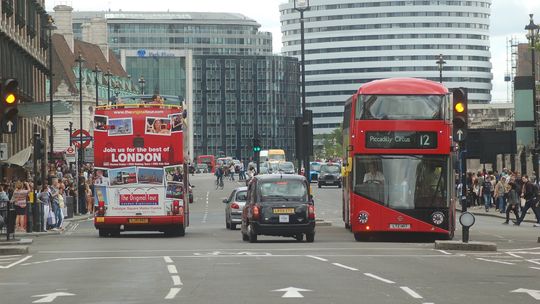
<point>403,86</point>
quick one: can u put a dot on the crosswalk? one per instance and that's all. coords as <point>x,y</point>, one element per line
<point>529,257</point>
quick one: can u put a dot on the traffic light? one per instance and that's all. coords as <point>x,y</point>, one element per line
<point>10,99</point>
<point>39,147</point>
<point>256,145</point>
<point>459,106</point>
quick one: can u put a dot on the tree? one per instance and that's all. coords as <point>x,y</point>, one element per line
<point>329,145</point>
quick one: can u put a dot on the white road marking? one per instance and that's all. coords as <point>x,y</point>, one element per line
<point>292,292</point>
<point>317,258</point>
<point>172,293</point>
<point>15,263</point>
<point>205,216</point>
<point>378,278</point>
<point>445,252</point>
<point>344,266</point>
<point>167,259</point>
<point>411,292</point>
<point>515,255</point>
<point>176,280</point>
<point>172,269</point>
<point>495,261</point>
<point>50,297</point>
<point>534,262</point>
<point>537,268</point>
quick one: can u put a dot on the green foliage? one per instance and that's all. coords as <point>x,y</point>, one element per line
<point>329,145</point>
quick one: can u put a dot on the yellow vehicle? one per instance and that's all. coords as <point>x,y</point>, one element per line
<point>276,155</point>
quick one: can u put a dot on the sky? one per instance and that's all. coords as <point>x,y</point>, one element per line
<point>508,20</point>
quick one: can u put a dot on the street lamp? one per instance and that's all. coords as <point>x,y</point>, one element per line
<point>532,35</point>
<point>440,62</point>
<point>51,27</point>
<point>141,84</point>
<point>96,70</point>
<point>302,6</point>
<point>80,60</point>
<point>108,75</point>
<point>116,92</point>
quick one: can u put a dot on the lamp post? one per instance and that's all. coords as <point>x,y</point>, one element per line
<point>96,70</point>
<point>302,6</point>
<point>116,92</point>
<point>50,28</point>
<point>80,60</point>
<point>532,35</point>
<point>440,62</point>
<point>141,84</point>
<point>108,75</point>
<point>70,130</point>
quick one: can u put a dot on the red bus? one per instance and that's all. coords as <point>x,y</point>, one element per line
<point>209,160</point>
<point>398,174</point>
<point>140,172</point>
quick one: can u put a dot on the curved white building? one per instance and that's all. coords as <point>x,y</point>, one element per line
<point>350,42</point>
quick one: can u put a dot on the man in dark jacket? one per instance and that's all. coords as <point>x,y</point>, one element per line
<point>529,193</point>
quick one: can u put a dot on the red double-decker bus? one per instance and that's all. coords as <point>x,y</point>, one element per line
<point>209,160</point>
<point>398,174</point>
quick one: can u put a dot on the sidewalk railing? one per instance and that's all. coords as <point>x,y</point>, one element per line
<point>7,219</point>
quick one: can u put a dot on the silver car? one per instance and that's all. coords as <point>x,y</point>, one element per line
<point>233,207</point>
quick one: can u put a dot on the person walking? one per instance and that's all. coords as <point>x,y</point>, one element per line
<point>512,203</point>
<point>486,192</point>
<point>529,193</point>
<point>499,195</point>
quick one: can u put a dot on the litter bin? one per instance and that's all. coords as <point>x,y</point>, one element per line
<point>70,203</point>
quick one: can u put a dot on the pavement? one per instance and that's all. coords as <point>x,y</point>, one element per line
<point>21,241</point>
<point>480,211</point>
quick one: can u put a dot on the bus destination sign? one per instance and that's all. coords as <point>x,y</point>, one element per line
<point>401,140</point>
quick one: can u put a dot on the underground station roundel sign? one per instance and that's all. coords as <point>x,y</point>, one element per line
<point>76,138</point>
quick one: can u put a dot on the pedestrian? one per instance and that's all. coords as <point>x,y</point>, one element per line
<point>19,198</point>
<point>3,195</point>
<point>55,204</point>
<point>89,200</point>
<point>81,195</point>
<point>513,202</point>
<point>44,197</point>
<point>486,192</point>
<point>499,195</point>
<point>529,193</point>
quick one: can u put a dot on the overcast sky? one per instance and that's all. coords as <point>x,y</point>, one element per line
<point>508,20</point>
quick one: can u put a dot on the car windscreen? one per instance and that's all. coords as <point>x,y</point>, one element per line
<point>330,169</point>
<point>316,167</point>
<point>286,166</point>
<point>283,190</point>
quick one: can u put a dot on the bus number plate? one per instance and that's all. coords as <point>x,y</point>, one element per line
<point>138,221</point>
<point>400,226</point>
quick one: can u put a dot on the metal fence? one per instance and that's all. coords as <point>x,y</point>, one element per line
<point>7,220</point>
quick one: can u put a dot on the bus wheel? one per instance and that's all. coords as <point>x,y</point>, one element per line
<point>180,231</point>
<point>115,232</point>
<point>103,233</point>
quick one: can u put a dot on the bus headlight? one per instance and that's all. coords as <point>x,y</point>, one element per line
<point>363,217</point>
<point>437,218</point>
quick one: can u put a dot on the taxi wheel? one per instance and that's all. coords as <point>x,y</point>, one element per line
<point>245,237</point>
<point>299,237</point>
<point>310,237</point>
<point>252,234</point>
<point>227,224</point>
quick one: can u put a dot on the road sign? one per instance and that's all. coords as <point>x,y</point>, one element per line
<point>460,135</point>
<point>9,126</point>
<point>76,138</point>
<point>3,151</point>
<point>70,150</point>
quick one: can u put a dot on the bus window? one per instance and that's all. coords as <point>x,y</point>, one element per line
<point>404,107</point>
<point>402,182</point>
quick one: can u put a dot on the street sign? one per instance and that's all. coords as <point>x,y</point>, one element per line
<point>70,150</point>
<point>9,126</point>
<point>76,138</point>
<point>460,135</point>
<point>3,151</point>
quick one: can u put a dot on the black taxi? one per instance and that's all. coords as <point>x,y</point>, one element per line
<point>278,205</point>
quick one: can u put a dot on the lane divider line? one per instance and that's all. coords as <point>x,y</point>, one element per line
<point>445,252</point>
<point>317,258</point>
<point>537,268</point>
<point>176,280</point>
<point>172,269</point>
<point>15,263</point>
<point>167,259</point>
<point>411,292</point>
<point>495,261</point>
<point>344,266</point>
<point>172,293</point>
<point>378,278</point>
<point>515,255</point>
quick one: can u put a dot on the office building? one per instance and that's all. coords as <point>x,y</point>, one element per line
<point>351,42</point>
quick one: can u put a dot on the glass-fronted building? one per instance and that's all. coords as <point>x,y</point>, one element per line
<point>226,91</point>
<point>351,42</point>
<point>203,33</point>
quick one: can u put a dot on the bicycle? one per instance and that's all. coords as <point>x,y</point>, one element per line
<point>219,183</point>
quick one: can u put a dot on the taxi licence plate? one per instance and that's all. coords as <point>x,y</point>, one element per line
<point>400,226</point>
<point>138,221</point>
<point>283,210</point>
